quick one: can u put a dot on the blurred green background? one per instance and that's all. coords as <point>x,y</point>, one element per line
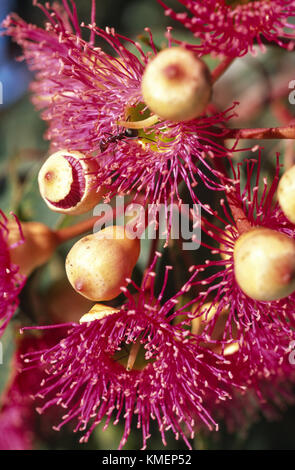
<point>22,150</point>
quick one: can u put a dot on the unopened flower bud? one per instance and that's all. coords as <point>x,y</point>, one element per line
<point>264,264</point>
<point>124,237</point>
<point>37,248</point>
<point>176,85</point>
<point>67,183</point>
<point>286,193</point>
<point>97,266</point>
<point>97,312</point>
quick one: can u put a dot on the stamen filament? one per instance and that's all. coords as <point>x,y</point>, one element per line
<point>148,122</point>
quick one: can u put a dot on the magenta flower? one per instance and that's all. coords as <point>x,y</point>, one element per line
<point>276,393</point>
<point>83,93</point>
<point>17,407</point>
<point>259,363</point>
<point>169,382</point>
<point>11,281</point>
<point>231,27</point>
<point>15,432</point>
<point>263,329</point>
<point>16,404</point>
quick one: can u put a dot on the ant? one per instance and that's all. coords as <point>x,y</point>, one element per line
<point>127,133</point>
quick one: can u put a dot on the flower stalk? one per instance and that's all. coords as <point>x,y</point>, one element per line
<point>221,68</point>
<point>267,133</point>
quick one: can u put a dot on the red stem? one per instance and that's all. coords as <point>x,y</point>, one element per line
<point>221,69</point>
<point>68,233</point>
<point>287,132</point>
<point>242,223</point>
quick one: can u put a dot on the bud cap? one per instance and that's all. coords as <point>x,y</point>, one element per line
<point>264,264</point>
<point>97,312</point>
<point>176,85</point>
<point>67,183</point>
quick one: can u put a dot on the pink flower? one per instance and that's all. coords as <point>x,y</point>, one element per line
<point>17,407</point>
<point>11,281</point>
<point>83,93</point>
<point>15,432</point>
<point>86,374</point>
<point>276,394</point>
<point>264,330</point>
<point>231,27</point>
<point>16,404</point>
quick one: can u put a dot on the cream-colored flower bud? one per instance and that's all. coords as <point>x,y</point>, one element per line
<point>97,312</point>
<point>67,183</point>
<point>122,236</point>
<point>37,248</point>
<point>264,264</point>
<point>286,194</point>
<point>176,85</point>
<point>97,266</point>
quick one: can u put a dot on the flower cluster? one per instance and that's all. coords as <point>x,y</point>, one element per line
<point>263,330</point>
<point>141,124</point>
<point>158,355</point>
<point>233,27</point>
<point>17,418</point>
<point>85,94</point>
